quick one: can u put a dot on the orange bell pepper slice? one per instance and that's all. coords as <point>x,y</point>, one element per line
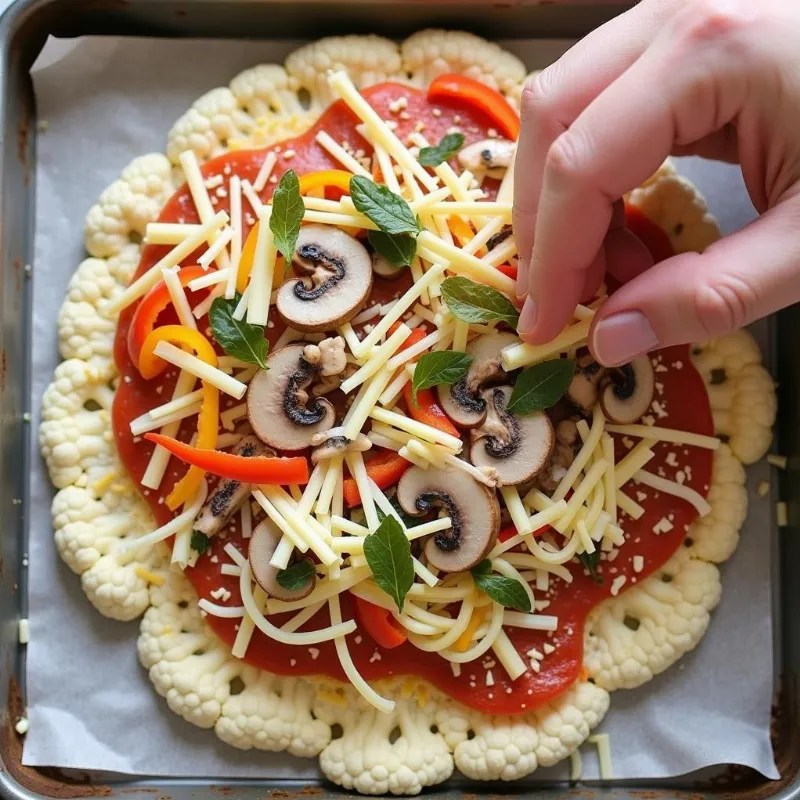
<point>460,229</point>
<point>151,305</point>
<point>379,624</point>
<point>324,179</point>
<point>480,96</point>
<point>428,411</point>
<point>247,469</point>
<point>150,365</point>
<point>385,468</point>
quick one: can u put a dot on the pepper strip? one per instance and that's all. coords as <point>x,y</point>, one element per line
<point>379,624</point>
<point>462,643</point>
<point>386,468</point>
<point>150,306</point>
<point>480,96</point>
<point>150,365</point>
<point>427,411</point>
<point>246,469</point>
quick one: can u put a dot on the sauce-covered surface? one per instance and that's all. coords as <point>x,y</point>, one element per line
<point>681,398</point>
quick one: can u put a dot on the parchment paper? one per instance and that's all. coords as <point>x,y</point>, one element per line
<point>91,705</point>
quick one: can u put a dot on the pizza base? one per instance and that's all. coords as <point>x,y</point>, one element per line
<point>628,638</point>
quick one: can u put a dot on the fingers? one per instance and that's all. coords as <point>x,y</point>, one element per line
<point>694,297</point>
<point>599,159</point>
<point>556,96</point>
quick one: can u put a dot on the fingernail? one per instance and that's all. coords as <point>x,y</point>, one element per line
<point>527,318</point>
<point>522,278</point>
<point>621,337</point>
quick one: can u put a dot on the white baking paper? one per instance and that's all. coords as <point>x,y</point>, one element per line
<point>91,705</point>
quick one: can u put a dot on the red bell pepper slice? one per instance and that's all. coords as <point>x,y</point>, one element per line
<point>652,236</point>
<point>508,269</point>
<point>385,468</point>
<point>428,411</point>
<point>379,624</point>
<point>479,95</point>
<point>506,533</point>
<point>152,304</point>
<point>247,469</point>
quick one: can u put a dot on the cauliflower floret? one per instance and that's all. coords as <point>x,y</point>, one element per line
<point>87,533</point>
<point>266,94</point>
<point>76,428</point>
<point>187,664</point>
<point>508,748</point>
<point>429,53</point>
<point>366,59</point>
<point>674,203</point>
<point>272,713</point>
<point>740,391</point>
<point>384,753</point>
<point>638,634</point>
<point>121,214</point>
<point>715,536</point>
<point>209,127</point>
<point>514,94</point>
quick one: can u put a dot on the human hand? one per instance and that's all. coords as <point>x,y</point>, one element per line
<point>717,78</point>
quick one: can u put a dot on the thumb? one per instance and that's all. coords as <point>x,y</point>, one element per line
<point>693,297</point>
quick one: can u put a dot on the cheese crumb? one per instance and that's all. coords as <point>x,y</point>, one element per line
<point>314,653</point>
<point>777,460</point>
<point>782,514</point>
<point>24,631</point>
<point>662,526</point>
<point>763,488</point>
<point>638,563</point>
<point>489,678</point>
<point>22,726</point>
<point>221,594</point>
<point>617,584</point>
<point>548,648</point>
<point>456,669</point>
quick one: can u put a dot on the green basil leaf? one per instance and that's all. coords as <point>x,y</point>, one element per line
<point>237,337</point>
<point>441,366</point>
<point>591,561</point>
<point>296,576</point>
<point>506,591</point>
<point>287,214</point>
<point>398,249</point>
<point>407,519</point>
<point>474,302</point>
<point>448,146</point>
<point>541,386</point>
<point>388,553</point>
<point>200,542</point>
<point>385,208</point>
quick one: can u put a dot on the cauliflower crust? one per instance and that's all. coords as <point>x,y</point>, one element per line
<point>428,735</point>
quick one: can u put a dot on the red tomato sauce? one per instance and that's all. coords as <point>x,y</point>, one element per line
<point>680,391</point>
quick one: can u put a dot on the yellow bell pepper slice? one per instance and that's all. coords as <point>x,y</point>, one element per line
<point>150,365</point>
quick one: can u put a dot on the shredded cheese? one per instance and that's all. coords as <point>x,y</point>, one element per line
<point>667,435</point>
<point>200,369</point>
<point>676,489</point>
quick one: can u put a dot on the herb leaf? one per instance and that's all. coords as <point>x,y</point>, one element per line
<point>541,386</point>
<point>237,338</point>
<point>385,208</point>
<point>200,542</point>
<point>506,591</point>
<point>441,366</point>
<point>398,249</point>
<point>296,576</point>
<point>590,561</point>
<point>287,214</point>
<point>474,302</point>
<point>448,146</point>
<point>408,520</point>
<point>388,553</point>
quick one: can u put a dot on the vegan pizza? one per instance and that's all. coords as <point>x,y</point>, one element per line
<point>296,432</point>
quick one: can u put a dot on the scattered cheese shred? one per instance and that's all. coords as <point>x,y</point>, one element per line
<point>676,489</point>
<point>603,744</point>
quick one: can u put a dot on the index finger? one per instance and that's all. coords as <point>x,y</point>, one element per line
<point>616,143</point>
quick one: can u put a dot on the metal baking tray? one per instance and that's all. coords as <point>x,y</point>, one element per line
<point>23,30</point>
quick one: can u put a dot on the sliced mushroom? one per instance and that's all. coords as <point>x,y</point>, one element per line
<point>278,406</point>
<point>335,282</point>
<point>463,402</point>
<point>472,507</point>
<point>567,444</point>
<point>585,386</point>
<point>518,447</point>
<point>629,392</point>
<point>263,543</point>
<point>487,154</point>
<point>384,268</point>
<point>228,494</point>
<point>499,237</point>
